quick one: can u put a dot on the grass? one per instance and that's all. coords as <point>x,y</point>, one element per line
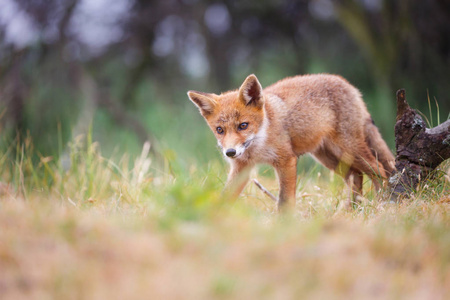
<point>87,227</point>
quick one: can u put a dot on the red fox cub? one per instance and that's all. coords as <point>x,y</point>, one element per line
<point>321,114</point>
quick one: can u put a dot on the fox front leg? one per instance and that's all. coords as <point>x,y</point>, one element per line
<point>237,179</point>
<point>287,176</point>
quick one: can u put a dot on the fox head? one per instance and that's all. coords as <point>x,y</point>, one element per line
<point>237,118</point>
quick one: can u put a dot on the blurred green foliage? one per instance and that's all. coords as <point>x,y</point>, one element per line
<point>125,75</point>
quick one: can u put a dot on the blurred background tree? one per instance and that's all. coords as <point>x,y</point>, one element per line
<point>123,67</point>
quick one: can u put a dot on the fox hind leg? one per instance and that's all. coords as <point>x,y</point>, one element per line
<point>367,163</point>
<point>354,180</point>
<point>352,175</point>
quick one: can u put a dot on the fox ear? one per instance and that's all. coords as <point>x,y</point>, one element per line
<point>251,92</point>
<point>204,101</point>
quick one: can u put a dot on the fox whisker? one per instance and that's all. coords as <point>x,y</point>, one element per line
<point>249,142</point>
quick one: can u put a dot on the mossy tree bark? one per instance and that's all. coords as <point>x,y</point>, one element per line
<point>420,150</point>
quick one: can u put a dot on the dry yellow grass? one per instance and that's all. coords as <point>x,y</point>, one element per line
<point>99,230</point>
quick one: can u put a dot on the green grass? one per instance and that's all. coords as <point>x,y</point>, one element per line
<point>87,227</point>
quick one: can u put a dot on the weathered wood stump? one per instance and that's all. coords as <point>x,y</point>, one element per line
<point>420,150</point>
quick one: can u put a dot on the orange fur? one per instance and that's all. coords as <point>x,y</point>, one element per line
<point>320,114</point>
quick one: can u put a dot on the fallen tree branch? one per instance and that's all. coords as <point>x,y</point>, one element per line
<point>264,190</point>
<point>420,150</point>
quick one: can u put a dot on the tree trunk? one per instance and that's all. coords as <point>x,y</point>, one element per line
<point>420,150</point>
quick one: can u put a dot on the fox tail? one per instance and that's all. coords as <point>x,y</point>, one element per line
<point>379,147</point>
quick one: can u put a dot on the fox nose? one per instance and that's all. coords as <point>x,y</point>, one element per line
<point>230,152</point>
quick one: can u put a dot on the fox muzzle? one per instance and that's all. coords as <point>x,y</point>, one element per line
<point>230,152</point>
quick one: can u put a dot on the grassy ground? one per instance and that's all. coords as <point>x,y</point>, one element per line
<point>89,228</point>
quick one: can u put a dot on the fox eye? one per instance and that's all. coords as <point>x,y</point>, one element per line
<point>243,126</point>
<point>219,130</point>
